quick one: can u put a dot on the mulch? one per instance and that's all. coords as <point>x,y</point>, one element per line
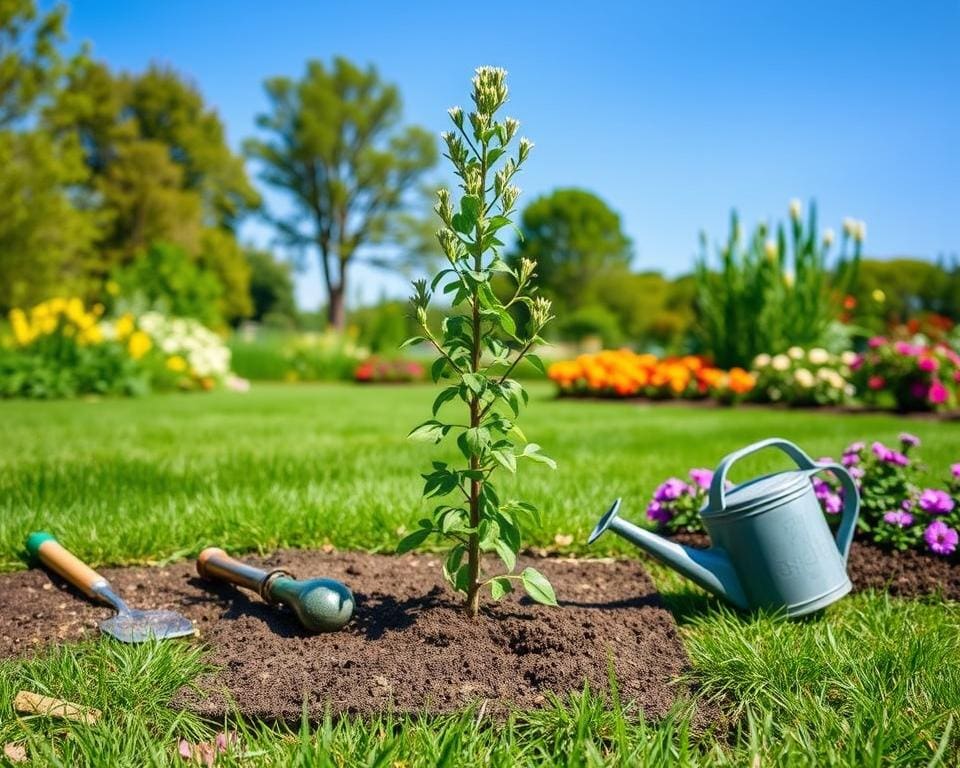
<point>409,647</point>
<point>909,574</point>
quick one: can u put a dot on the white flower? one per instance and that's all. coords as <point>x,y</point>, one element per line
<point>828,237</point>
<point>824,374</point>
<point>762,360</point>
<point>848,357</point>
<point>796,353</point>
<point>860,232</point>
<point>770,249</point>
<point>818,356</point>
<point>849,226</point>
<point>804,378</point>
<point>780,362</point>
<point>796,209</point>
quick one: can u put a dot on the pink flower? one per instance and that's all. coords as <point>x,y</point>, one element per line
<point>955,470</point>
<point>908,440</point>
<point>876,382</point>
<point>941,538</point>
<point>903,348</point>
<point>880,450</point>
<point>897,459</point>
<point>832,504</point>
<point>938,393</point>
<point>857,363</point>
<point>919,389</point>
<point>702,477</point>
<point>876,341</point>
<point>898,518</point>
<point>935,502</point>
<point>928,364</point>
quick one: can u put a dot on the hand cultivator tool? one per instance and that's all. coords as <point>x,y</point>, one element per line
<point>129,625</point>
<point>322,605</point>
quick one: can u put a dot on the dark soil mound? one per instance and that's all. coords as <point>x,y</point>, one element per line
<point>408,649</point>
<point>904,574</point>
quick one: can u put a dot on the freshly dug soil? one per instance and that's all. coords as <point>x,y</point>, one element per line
<point>408,649</point>
<point>903,574</point>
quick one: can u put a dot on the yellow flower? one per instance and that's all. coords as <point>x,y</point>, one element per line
<point>112,288</point>
<point>878,296</point>
<point>90,335</point>
<point>124,326</point>
<point>139,344</point>
<point>176,364</point>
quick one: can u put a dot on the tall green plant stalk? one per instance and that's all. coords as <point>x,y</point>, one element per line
<point>479,346</point>
<point>773,291</point>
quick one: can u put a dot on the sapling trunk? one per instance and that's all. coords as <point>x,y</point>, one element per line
<point>472,516</point>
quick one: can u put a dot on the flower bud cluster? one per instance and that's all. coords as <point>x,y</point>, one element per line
<point>489,89</point>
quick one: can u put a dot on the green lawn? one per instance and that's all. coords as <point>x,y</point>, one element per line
<point>873,682</point>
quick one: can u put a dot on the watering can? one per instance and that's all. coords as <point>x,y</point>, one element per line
<point>770,544</point>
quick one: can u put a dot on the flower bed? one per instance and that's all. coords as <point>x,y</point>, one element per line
<point>623,373</point>
<point>803,378</point>
<point>915,376</point>
<point>60,348</point>
<point>896,510</point>
<point>378,371</point>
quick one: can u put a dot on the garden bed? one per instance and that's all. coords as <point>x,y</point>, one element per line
<point>409,647</point>
<point>903,574</point>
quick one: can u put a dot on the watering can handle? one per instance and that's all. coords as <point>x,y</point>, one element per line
<point>718,501</point>
<point>851,507</point>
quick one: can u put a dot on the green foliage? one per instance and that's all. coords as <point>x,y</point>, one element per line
<point>29,59</point>
<point>574,238</point>
<point>164,276</point>
<point>895,290</point>
<point>283,356</point>
<point>471,516</point>
<point>773,291</point>
<point>591,321</point>
<point>271,289</point>
<point>335,145</point>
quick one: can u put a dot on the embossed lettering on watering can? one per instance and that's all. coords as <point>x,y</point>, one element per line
<point>770,544</point>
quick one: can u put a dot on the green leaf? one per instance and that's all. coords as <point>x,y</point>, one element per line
<point>438,367</point>
<point>489,534</point>
<point>477,439</point>
<point>471,207</point>
<point>499,265</point>
<point>532,451</point>
<point>506,459</point>
<point>463,224</point>
<point>507,322</point>
<point>413,540</point>
<point>537,363</point>
<point>499,587</point>
<point>475,382</point>
<point>454,519</point>
<point>413,340</point>
<point>447,394</point>
<point>506,554</point>
<point>431,431</point>
<point>538,587</point>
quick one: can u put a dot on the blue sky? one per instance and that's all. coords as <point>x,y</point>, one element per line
<point>672,111</point>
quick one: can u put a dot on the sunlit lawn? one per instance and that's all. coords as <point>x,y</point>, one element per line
<point>873,682</point>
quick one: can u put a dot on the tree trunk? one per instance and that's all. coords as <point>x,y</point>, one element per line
<point>336,309</point>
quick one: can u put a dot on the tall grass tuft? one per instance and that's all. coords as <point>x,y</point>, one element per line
<point>770,292</point>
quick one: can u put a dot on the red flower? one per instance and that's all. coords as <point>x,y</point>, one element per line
<point>876,382</point>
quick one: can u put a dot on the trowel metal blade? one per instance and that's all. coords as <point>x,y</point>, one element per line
<point>141,626</point>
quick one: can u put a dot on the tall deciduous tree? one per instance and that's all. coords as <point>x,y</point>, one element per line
<point>574,237</point>
<point>29,57</point>
<point>334,143</point>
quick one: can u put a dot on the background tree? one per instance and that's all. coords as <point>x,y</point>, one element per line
<point>334,143</point>
<point>159,170</point>
<point>271,288</point>
<point>575,238</point>
<point>29,56</point>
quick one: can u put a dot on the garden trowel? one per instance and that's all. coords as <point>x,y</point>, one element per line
<point>129,625</point>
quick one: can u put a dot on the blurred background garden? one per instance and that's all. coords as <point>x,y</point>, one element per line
<point>148,244</point>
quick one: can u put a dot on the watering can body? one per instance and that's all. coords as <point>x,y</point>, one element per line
<point>770,547</point>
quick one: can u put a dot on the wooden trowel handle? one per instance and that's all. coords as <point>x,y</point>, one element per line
<point>214,563</point>
<point>45,548</point>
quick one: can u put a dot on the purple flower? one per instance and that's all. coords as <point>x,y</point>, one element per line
<point>935,502</point>
<point>908,440</point>
<point>857,473</point>
<point>671,490</point>
<point>906,504</point>
<point>821,488</point>
<point>898,518</point>
<point>896,458</point>
<point>702,477</point>
<point>955,469</point>
<point>850,459</point>
<point>656,512</point>
<point>832,504</point>
<point>855,447</point>
<point>941,538</point>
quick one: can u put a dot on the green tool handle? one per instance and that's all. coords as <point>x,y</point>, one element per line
<point>45,548</point>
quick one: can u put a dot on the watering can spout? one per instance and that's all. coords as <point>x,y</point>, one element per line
<point>710,568</point>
